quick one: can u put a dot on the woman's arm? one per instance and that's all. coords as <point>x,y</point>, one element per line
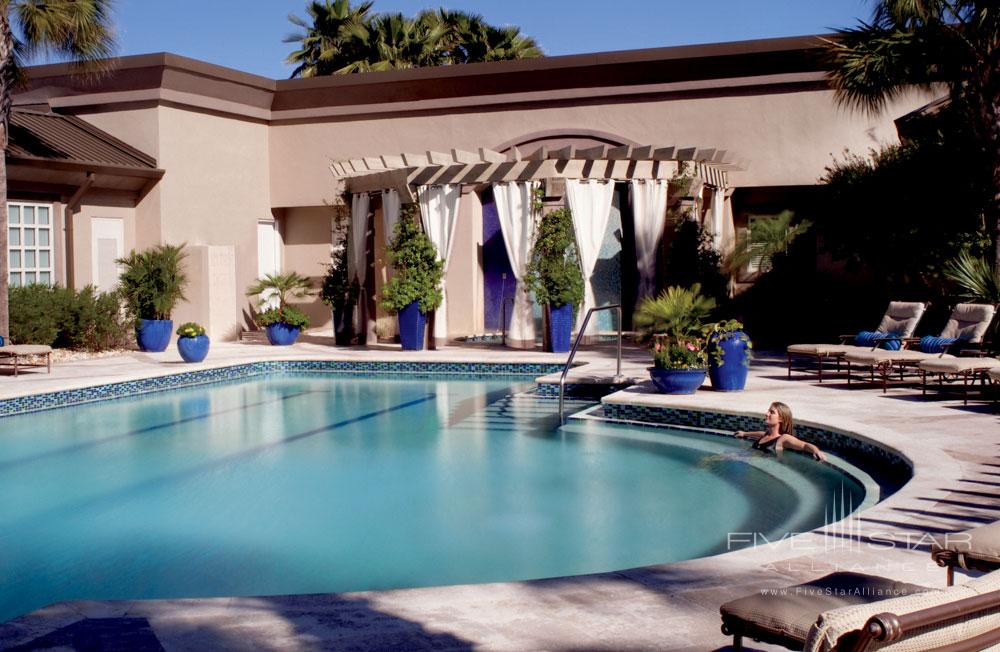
<point>797,444</point>
<point>754,434</point>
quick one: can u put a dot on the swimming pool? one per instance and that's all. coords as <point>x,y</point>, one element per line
<point>304,483</point>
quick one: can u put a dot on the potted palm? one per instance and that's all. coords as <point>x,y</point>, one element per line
<point>729,351</point>
<point>340,294</point>
<point>415,288</point>
<point>192,343</point>
<point>282,323</point>
<point>152,283</point>
<point>672,324</point>
<point>554,275</point>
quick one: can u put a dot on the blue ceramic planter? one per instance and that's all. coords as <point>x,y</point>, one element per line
<point>412,323</point>
<point>731,375</point>
<point>560,327</point>
<point>281,334</point>
<point>193,349</point>
<point>154,334</point>
<point>677,381</point>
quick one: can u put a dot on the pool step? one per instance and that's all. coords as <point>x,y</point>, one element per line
<point>515,412</point>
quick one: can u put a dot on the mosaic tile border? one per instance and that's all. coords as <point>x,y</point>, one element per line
<point>890,468</point>
<point>63,398</point>
<point>580,390</point>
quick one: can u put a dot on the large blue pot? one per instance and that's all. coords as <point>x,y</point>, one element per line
<point>731,375</point>
<point>281,334</point>
<point>154,334</point>
<point>677,381</point>
<point>560,327</point>
<point>412,323</point>
<point>193,349</point>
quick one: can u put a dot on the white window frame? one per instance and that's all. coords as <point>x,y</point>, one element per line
<point>22,249</point>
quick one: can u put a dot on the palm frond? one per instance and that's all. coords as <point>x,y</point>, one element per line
<point>977,278</point>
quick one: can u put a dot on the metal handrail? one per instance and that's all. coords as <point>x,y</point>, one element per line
<point>576,344</point>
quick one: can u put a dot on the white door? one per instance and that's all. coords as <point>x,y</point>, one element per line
<point>268,253</point>
<point>107,244</point>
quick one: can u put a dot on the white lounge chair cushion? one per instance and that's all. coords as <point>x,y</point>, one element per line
<point>952,365</point>
<point>994,375</point>
<point>825,349</point>
<point>792,611</point>
<point>981,542</point>
<point>902,317</point>
<point>969,322</point>
<point>881,355</point>
<point>25,349</point>
<point>836,623</point>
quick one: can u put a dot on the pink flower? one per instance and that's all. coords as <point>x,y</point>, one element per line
<point>691,347</point>
<point>658,346</point>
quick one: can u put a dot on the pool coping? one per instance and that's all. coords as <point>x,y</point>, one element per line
<point>937,458</point>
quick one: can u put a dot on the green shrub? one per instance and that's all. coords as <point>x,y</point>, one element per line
<point>417,270</point>
<point>288,315</point>
<point>553,272</point>
<point>56,316</point>
<point>153,281</point>
<point>190,329</point>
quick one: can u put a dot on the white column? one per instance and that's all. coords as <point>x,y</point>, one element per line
<point>357,260</point>
<point>390,213</point>
<point>514,209</point>
<point>590,204</point>
<point>438,212</point>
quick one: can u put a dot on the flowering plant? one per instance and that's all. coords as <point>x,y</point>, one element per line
<point>686,353</point>
<point>190,329</point>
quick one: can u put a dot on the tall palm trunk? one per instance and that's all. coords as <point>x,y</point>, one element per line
<point>7,80</point>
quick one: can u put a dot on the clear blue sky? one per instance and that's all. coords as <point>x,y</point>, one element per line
<point>247,34</point>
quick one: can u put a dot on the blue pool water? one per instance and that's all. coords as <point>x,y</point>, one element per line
<point>299,483</point>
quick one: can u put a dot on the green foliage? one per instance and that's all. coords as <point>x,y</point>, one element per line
<point>60,317</point>
<point>153,281</point>
<point>677,313</point>
<point>691,258</point>
<point>977,279</point>
<point>336,290</point>
<point>770,236</point>
<point>338,38</point>
<point>290,285</point>
<point>553,272</point>
<point>723,331</point>
<point>417,270</point>
<point>190,329</point>
<point>286,315</point>
<point>688,353</point>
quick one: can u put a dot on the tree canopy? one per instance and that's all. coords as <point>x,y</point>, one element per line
<point>340,38</point>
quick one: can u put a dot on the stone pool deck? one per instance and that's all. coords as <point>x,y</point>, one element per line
<point>955,451</point>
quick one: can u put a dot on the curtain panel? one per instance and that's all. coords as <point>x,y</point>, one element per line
<point>649,211</point>
<point>590,203</point>
<point>438,215</point>
<point>514,209</point>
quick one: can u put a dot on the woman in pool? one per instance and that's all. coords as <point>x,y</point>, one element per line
<point>778,433</point>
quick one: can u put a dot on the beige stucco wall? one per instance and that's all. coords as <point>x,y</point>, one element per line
<point>98,207</point>
<point>306,235</point>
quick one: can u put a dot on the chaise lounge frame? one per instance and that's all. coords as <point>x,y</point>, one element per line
<point>11,354</point>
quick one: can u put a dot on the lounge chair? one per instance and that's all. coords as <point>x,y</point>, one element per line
<point>900,319</point>
<point>15,352</point>
<point>966,369</point>
<point>966,327</point>
<point>974,549</point>
<point>851,612</point>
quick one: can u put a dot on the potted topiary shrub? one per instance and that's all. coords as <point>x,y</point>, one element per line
<point>341,295</point>
<point>672,324</point>
<point>729,351</point>
<point>282,323</point>
<point>192,343</point>
<point>554,275</point>
<point>415,288</point>
<point>152,283</point>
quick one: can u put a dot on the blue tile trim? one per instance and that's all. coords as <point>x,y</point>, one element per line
<point>890,469</point>
<point>68,397</point>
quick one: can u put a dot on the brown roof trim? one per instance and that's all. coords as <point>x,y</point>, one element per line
<point>85,166</point>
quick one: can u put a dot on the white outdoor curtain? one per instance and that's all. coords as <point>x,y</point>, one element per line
<point>357,261</point>
<point>390,213</point>
<point>649,212</point>
<point>697,185</point>
<point>714,218</point>
<point>590,204</point>
<point>438,215</point>
<point>514,209</point>
<point>728,239</point>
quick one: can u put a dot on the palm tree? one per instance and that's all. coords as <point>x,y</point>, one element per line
<point>468,38</point>
<point>282,287</point>
<point>767,237</point>
<point>77,29</point>
<point>336,38</point>
<point>955,43</point>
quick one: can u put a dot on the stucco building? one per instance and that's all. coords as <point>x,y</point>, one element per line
<point>250,172</point>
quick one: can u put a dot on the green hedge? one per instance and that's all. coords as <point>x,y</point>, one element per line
<point>60,317</point>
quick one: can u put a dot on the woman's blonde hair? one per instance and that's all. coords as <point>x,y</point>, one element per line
<point>785,423</point>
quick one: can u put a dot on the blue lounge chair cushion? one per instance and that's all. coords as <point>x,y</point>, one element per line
<point>931,344</point>
<point>871,338</point>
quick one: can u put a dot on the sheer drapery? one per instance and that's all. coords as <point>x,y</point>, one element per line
<point>590,204</point>
<point>649,208</point>
<point>514,210</point>
<point>390,213</point>
<point>357,261</point>
<point>438,215</point>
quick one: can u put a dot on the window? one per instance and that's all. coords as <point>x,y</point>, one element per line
<point>29,239</point>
